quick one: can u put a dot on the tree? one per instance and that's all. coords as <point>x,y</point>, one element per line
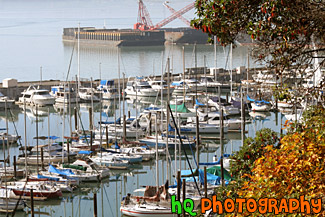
<point>289,33</point>
<point>296,169</point>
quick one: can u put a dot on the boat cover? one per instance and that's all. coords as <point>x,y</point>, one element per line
<point>180,108</point>
<point>172,129</point>
<point>64,172</point>
<point>198,103</point>
<point>48,177</point>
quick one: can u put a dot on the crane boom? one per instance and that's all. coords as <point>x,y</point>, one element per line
<point>145,23</point>
<point>144,20</point>
<point>180,17</point>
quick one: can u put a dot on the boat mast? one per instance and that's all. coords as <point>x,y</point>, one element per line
<point>162,93</point>
<point>157,172</point>
<point>25,139</point>
<point>230,69</point>
<point>7,127</point>
<point>49,135</point>
<point>119,82</point>
<point>215,57</point>
<point>63,121</point>
<point>167,121</point>
<point>78,57</point>
<point>37,138</point>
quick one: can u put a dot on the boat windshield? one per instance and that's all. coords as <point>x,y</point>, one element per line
<point>42,93</point>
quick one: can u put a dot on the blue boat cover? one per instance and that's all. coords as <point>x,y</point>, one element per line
<point>257,101</point>
<point>118,121</point>
<point>177,83</point>
<point>64,172</point>
<point>211,179</point>
<point>107,82</point>
<point>47,177</point>
<point>172,129</point>
<point>198,103</point>
<point>152,108</point>
<point>85,152</point>
<point>3,128</point>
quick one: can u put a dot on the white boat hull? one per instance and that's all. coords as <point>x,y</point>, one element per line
<point>140,211</point>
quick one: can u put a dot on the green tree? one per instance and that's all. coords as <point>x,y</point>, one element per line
<point>284,30</point>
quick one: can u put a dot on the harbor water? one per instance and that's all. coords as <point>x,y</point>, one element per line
<point>30,38</point>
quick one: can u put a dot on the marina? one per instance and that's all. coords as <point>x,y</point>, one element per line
<point>115,121</point>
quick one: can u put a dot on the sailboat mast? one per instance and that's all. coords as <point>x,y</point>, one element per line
<point>78,57</point>
<point>168,117</point>
<point>25,139</point>
<point>157,162</point>
<point>230,69</point>
<point>119,78</point>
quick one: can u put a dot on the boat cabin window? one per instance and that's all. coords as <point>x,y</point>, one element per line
<point>43,93</point>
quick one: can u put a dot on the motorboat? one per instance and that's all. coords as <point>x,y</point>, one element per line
<point>88,94</point>
<point>108,90</point>
<point>64,94</point>
<point>35,96</point>
<point>142,210</point>
<point>162,142</point>
<point>111,163</point>
<point>140,87</point>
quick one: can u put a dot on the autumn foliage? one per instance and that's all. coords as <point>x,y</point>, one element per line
<point>293,168</point>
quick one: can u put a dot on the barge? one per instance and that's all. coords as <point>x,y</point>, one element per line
<point>134,37</point>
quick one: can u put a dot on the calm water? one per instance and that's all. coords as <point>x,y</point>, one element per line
<point>30,37</point>
<point>31,31</point>
<point>113,189</point>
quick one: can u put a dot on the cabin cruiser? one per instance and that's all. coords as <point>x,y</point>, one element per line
<point>88,94</point>
<point>35,96</point>
<point>108,90</point>
<point>211,84</point>
<point>64,94</point>
<point>140,87</point>
<point>161,87</point>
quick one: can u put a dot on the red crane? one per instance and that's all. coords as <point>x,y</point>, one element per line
<point>144,20</point>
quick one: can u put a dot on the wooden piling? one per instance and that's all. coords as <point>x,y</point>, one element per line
<point>221,146</point>
<point>95,205</point>
<point>124,127</point>
<point>68,150</point>
<point>179,185</point>
<point>106,134</point>
<point>15,167</point>
<point>42,158</point>
<point>75,119</point>
<point>32,202</point>
<point>91,140</point>
<point>90,118</point>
